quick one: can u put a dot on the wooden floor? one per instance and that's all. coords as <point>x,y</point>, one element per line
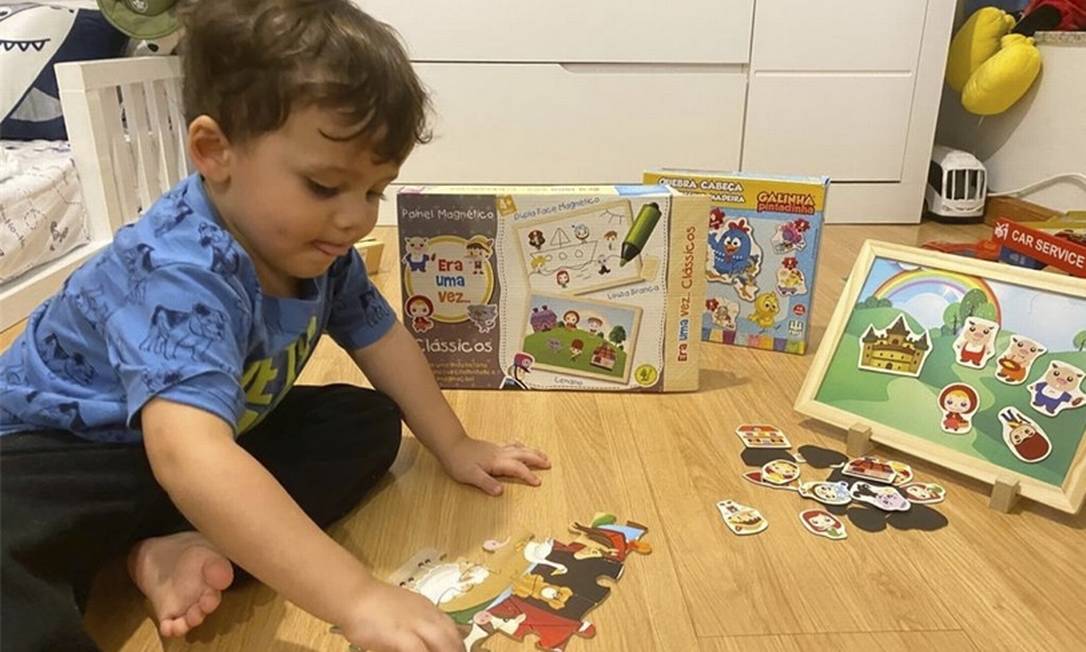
<point>988,581</point>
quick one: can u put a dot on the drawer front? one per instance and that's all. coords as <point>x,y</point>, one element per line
<point>850,127</point>
<point>841,36</point>
<point>686,31</point>
<point>546,123</point>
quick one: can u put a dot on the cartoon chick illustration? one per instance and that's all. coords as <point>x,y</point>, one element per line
<point>766,308</point>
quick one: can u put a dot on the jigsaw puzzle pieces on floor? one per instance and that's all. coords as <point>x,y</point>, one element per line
<point>530,586</point>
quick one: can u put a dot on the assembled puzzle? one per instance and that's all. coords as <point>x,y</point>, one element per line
<point>761,257</point>
<point>582,288</point>
<point>529,586</point>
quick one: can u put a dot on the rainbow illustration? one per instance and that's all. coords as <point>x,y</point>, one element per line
<point>950,285</point>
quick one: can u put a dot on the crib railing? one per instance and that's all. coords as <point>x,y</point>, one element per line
<point>127,134</point>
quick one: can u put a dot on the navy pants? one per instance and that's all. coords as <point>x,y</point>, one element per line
<point>69,505</point>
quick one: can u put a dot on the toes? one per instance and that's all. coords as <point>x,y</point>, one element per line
<point>194,616</point>
<point>218,573</point>
<point>209,601</point>
<point>173,627</point>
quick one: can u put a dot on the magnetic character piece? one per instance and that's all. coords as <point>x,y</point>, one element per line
<point>757,478</point>
<point>780,472</point>
<point>919,493</point>
<point>1017,360</point>
<point>755,435</point>
<point>888,499</point>
<point>823,524</point>
<point>1058,390</point>
<point>976,342</point>
<point>959,402</point>
<point>827,493</point>
<point>742,520</point>
<point>1025,439</point>
<point>870,468</point>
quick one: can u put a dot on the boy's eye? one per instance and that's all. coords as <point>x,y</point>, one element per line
<point>321,190</point>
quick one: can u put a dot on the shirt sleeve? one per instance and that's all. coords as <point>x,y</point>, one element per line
<point>182,335</point>
<point>360,315</point>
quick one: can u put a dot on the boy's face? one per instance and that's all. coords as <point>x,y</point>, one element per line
<point>297,200</point>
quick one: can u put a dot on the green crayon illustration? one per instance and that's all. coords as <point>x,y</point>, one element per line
<point>642,227</point>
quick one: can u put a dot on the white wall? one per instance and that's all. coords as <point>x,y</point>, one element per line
<point>1043,134</point>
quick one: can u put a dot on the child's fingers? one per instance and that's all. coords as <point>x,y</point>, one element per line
<point>514,468</point>
<point>517,446</point>
<point>478,477</point>
<point>533,458</point>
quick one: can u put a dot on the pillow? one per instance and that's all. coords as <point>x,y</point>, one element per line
<point>32,39</point>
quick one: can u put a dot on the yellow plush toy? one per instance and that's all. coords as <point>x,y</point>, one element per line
<point>975,42</point>
<point>990,67</point>
<point>1002,80</point>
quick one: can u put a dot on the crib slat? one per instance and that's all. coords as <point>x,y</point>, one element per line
<point>123,169</point>
<point>163,134</point>
<point>179,126</point>
<point>139,139</point>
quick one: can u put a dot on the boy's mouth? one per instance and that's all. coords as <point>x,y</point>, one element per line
<point>331,249</point>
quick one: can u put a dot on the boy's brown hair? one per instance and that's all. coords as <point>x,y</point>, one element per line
<point>248,63</point>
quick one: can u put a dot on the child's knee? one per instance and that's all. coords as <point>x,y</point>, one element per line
<point>377,419</point>
<point>385,430</point>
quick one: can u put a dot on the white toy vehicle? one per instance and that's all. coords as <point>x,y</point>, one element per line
<point>957,185</point>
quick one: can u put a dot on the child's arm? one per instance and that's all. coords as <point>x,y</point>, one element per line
<point>240,507</point>
<point>396,366</point>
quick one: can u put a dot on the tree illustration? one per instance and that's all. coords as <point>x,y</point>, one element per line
<point>617,336</point>
<point>970,302</point>
<point>1080,340</point>
<point>952,318</point>
<point>875,302</point>
<point>985,311</point>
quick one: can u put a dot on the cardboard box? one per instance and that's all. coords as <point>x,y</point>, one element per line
<point>1016,210</point>
<point>1035,244</point>
<point>762,253</point>
<point>577,288</point>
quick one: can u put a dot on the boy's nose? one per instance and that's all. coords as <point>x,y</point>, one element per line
<point>354,218</point>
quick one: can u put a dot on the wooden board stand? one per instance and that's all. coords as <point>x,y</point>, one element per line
<point>1004,495</point>
<point>859,441</point>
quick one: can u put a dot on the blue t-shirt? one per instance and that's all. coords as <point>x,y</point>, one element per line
<point>173,308</point>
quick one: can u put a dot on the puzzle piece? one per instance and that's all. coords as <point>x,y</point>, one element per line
<point>532,587</point>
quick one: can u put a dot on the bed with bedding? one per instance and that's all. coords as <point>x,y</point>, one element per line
<point>42,213</point>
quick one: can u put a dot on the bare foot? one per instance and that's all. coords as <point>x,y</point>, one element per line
<point>183,576</point>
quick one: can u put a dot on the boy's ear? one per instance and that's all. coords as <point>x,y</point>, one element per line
<point>209,149</point>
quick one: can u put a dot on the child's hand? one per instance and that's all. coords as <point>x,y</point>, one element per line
<point>480,463</point>
<point>393,619</point>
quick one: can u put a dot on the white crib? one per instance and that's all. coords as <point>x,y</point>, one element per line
<point>127,136</point>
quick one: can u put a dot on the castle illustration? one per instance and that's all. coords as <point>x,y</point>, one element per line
<point>895,349</point>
